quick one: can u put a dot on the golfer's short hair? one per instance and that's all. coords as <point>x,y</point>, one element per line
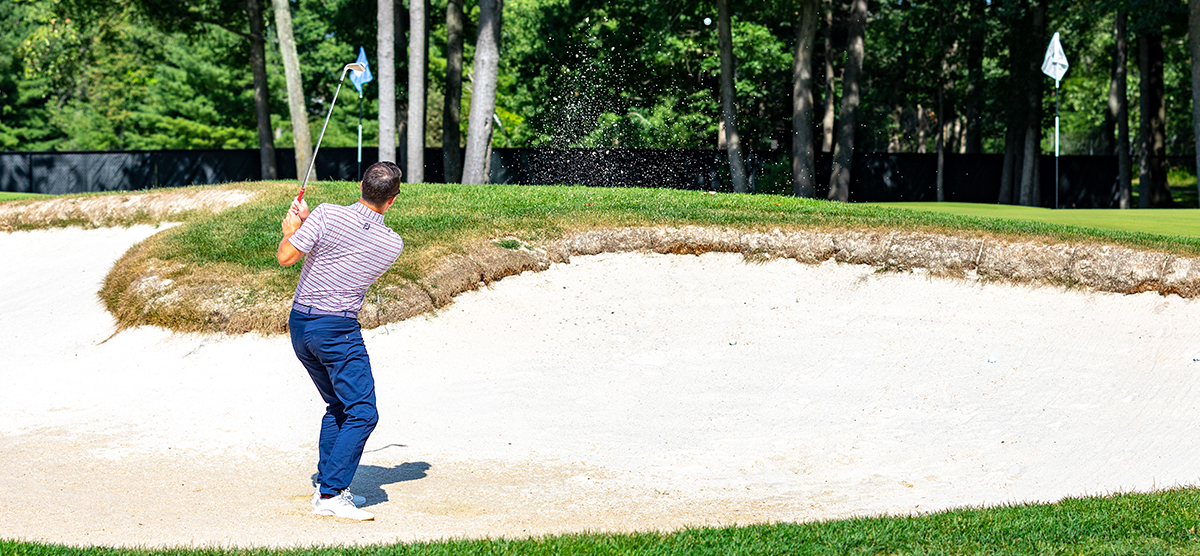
<point>381,182</point>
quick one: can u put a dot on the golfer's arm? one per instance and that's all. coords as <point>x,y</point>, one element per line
<point>287,254</point>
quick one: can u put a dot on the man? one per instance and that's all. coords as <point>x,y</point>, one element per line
<point>345,249</point>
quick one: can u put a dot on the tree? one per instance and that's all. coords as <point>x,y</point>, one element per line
<point>976,40</point>
<point>1152,187</point>
<point>385,19</point>
<point>262,107</point>
<point>733,144</point>
<point>452,110</point>
<point>1013,12</point>
<point>803,168</point>
<point>828,98</point>
<point>1029,193</point>
<point>301,139</point>
<point>173,16</point>
<point>1194,43</point>
<point>843,152</point>
<point>1119,103</point>
<point>483,92</point>
<point>417,68</point>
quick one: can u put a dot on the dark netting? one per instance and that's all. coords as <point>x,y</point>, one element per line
<point>1084,181</point>
<point>672,168</point>
<point>15,176</point>
<point>182,168</point>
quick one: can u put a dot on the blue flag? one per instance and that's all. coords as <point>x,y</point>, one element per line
<point>360,77</point>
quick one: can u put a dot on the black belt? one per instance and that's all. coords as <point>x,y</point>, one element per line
<point>315,311</point>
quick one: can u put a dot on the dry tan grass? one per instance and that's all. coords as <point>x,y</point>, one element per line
<point>117,209</point>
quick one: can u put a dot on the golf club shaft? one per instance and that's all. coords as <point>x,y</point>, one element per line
<point>313,161</point>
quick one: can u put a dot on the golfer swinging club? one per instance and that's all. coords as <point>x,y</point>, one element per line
<point>345,249</point>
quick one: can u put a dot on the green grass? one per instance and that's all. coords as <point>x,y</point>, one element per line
<point>234,251</point>
<point>1165,522</point>
<point>1163,222</point>
<point>7,196</point>
<point>436,219</point>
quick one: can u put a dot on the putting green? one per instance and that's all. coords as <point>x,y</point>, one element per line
<point>9,196</point>
<point>1167,222</point>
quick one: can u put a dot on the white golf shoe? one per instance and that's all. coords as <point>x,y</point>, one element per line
<point>358,500</point>
<point>341,505</point>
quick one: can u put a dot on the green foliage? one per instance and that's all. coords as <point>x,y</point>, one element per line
<point>24,106</point>
<point>148,74</point>
<point>633,74</point>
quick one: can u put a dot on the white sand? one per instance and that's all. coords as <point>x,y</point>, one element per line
<point>619,392</point>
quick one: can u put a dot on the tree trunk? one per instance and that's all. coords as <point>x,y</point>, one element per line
<point>897,129</point>
<point>1194,38</point>
<point>386,44</point>
<point>843,152</point>
<point>1108,128</point>
<point>416,91</point>
<point>262,106</point>
<point>1030,192</point>
<point>1013,101</point>
<point>941,144</point>
<point>828,99</point>
<point>400,82</point>
<point>301,139</point>
<point>973,143</point>
<point>1152,191</point>
<point>483,92</point>
<point>803,169</point>
<point>452,110</point>
<point>1008,169</point>
<point>1124,172</point>
<point>733,144</point>
<point>922,129</point>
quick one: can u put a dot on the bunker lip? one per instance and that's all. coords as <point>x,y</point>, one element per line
<point>108,210</point>
<point>206,302</point>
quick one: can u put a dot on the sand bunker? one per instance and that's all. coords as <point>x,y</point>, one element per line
<point>618,392</point>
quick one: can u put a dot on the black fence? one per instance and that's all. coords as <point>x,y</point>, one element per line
<point>1085,181</point>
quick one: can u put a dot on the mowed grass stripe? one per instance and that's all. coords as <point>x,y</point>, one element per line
<point>1165,222</point>
<point>10,196</point>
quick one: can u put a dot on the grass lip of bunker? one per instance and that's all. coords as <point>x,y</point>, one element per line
<point>216,272</point>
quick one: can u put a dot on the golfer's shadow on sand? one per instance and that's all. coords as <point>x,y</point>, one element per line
<point>370,479</point>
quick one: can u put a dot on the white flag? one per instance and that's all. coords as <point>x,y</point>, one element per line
<point>1055,65</point>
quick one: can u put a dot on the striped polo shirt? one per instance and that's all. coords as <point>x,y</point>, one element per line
<point>346,249</point>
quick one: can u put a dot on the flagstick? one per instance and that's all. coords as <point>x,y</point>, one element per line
<point>1056,144</point>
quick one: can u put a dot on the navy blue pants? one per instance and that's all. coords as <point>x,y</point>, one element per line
<point>332,350</point>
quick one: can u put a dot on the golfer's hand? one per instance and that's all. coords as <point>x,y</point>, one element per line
<point>300,209</point>
<point>291,223</point>
<point>296,215</point>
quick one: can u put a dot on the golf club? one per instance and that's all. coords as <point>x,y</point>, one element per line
<point>353,66</point>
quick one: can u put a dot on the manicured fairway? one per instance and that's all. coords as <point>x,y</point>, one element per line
<point>8,196</point>
<point>1167,222</point>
